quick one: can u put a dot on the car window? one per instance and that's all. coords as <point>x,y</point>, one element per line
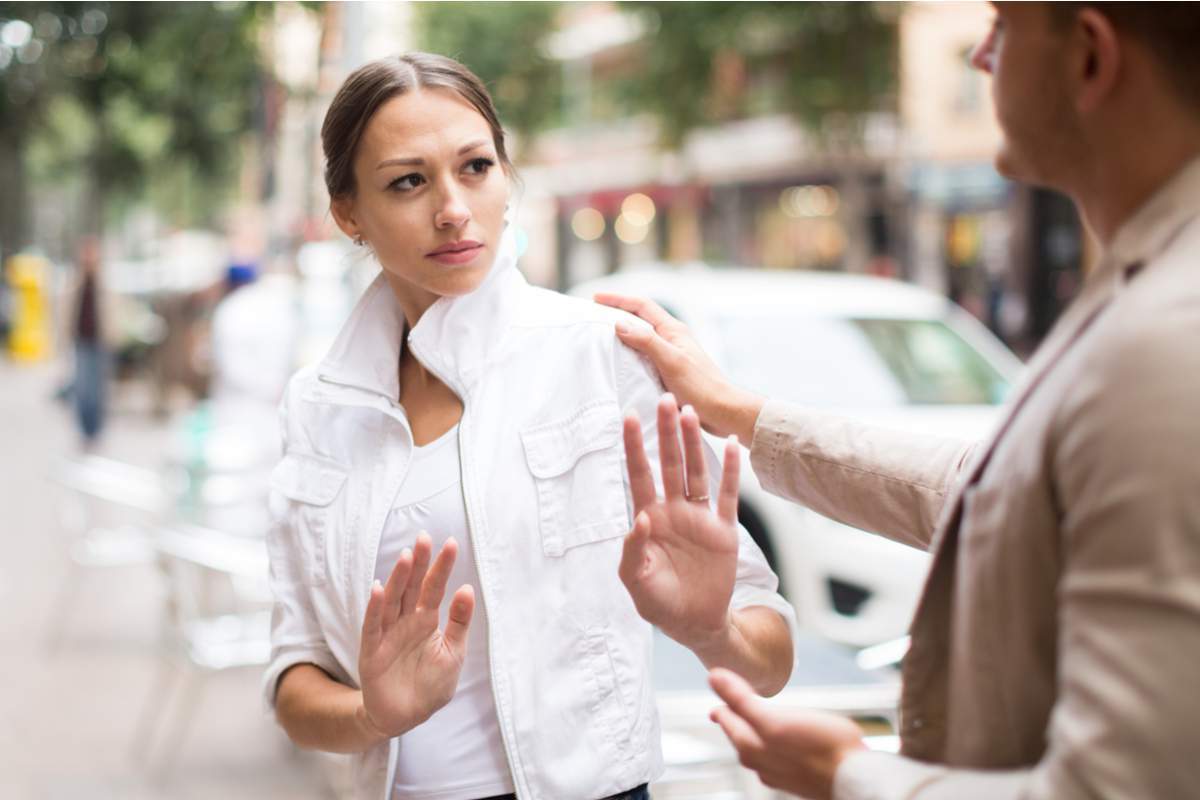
<point>934,363</point>
<point>856,363</point>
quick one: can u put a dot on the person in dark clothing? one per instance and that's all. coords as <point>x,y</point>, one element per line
<point>91,356</point>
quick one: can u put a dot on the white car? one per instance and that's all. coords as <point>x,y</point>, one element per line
<point>878,350</point>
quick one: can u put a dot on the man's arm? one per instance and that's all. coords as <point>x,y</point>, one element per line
<point>876,479</point>
<point>1123,724</point>
<point>872,478</point>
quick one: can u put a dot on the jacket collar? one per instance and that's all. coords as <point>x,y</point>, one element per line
<point>453,337</point>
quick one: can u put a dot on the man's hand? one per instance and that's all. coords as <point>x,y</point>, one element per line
<point>797,752</point>
<point>686,369</point>
<point>407,667</point>
<point>680,561</point>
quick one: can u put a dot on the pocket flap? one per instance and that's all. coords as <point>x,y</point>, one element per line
<point>308,479</point>
<point>553,448</point>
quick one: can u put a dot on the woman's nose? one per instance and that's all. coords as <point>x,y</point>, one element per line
<point>453,211</point>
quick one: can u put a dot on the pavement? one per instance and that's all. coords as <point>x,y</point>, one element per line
<point>70,706</point>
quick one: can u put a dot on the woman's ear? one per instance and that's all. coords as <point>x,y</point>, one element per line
<point>342,209</point>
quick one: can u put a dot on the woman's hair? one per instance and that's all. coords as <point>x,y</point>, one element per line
<point>373,84</point>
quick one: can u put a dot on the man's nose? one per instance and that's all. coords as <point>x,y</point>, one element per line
<point>981,55</point>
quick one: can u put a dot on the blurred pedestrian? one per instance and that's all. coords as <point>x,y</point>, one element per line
<point>89,388</point>
<point>1059,629</point>
<point>461,404</point>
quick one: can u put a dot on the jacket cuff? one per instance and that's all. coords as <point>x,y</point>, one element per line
<point>285,661</point>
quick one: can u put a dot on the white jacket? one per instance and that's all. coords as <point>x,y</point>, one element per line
<point>544,384</point>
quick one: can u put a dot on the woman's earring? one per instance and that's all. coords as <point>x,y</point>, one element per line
<point>358,240</point>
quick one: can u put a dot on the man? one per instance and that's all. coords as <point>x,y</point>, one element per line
<point>1055,648</point>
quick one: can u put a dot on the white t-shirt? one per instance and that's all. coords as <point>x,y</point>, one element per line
<point>457,754</point>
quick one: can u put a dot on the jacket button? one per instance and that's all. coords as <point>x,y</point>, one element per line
<point>917,723</point>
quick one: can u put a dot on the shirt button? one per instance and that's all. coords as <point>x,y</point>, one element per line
<point>917,723</point>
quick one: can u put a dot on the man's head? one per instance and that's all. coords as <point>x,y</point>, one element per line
<point>1080,83</point>
<point>89,254</point>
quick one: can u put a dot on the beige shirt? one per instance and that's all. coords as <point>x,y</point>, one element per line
<point>1056,647</point>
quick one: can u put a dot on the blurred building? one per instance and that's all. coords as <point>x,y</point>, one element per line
<point>915,196</point>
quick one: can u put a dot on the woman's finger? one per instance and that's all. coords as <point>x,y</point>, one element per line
<point>669,457</point>
<point>458,621</point>
<point>727,495</point>
<point>372,629</point>
<point>641,479</point>
<point>393,596</point>
<point>635,552</point>
<point>421,554</point>
<point>693,452</point>
<point>433,588</point>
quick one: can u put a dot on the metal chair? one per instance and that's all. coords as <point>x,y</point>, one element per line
<point>108,512</point>
<point>218,612</point>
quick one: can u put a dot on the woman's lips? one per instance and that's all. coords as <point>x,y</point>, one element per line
<point>457,256</point>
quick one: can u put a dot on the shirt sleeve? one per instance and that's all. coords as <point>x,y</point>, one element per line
<point>296,635</point>
<point>1124,462</point>
<point>872,478</point>
<point>639,388</point>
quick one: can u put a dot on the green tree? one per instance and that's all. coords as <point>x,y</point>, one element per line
<point>819,61</point>
<point>501,43</point>
<point>127,96</point>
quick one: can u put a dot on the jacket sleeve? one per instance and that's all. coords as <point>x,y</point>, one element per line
<point>640,389</point>
<point>296,636</point>
<point>876,479</point>
<point>1124,462</point>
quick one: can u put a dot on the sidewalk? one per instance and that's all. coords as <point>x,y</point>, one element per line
<point>69,716</point>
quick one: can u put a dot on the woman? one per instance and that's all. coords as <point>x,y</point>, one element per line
<point>460,401</point>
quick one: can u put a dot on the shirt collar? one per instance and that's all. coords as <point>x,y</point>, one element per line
<point>1145,235</point>
<point>455,332</point>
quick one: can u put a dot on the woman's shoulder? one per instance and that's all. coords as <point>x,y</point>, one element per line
<point>549,308</point>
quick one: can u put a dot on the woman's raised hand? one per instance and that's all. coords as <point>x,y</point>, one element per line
<point>407,666</point>
<point>679,562</point>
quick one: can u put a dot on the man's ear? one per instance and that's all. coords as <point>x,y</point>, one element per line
<point>342,209</point>
<point>1099,62</point>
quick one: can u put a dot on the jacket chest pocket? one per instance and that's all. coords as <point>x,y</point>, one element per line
<point>310,484</point>
<point>577,469</point>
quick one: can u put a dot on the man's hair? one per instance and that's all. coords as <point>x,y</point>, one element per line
<point>1170,30</point>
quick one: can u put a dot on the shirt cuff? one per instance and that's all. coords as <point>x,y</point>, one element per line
<point>868,775</point>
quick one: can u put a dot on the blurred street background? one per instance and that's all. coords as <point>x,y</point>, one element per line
<point>167,260</point>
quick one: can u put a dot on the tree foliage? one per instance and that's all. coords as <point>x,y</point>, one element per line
<point>501,43</point>
<point>708,62</point>
<point>131,94</point>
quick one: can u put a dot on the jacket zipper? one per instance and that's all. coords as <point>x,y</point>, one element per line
<point>505,737</point>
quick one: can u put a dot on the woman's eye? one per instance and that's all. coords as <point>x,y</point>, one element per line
<point>406,182</point>
<point>479,166</point>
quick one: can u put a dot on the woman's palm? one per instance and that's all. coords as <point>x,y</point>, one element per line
<point>408,667</point>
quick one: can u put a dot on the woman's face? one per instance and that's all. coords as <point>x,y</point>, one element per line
<point>430,195</point>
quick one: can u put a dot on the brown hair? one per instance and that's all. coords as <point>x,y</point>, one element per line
<point>1171,30</point>
<point>373,84</point>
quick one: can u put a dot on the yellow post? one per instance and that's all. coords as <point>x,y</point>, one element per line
<point>29,338</point>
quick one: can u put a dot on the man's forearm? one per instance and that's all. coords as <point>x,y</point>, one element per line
<point>756,645</point>
<point>318,713</point>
